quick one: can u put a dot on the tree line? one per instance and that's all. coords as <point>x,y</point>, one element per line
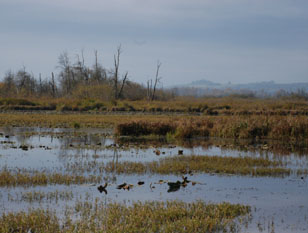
<point>77,80</point>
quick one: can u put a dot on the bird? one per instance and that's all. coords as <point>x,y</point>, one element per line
<point>174,186</point>
<point>140,183</point>
<point>128,187</point>
<point>102,188</point>
<point>185,180</point>
<point>161,182</point>
<point>121,186</point>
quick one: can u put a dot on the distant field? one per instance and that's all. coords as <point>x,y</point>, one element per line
<point>201,106</point>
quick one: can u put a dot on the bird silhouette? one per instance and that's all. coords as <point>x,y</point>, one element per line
<point>102,188</point>
<point>121,186</point>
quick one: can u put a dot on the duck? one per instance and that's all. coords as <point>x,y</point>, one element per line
<point>102,188</point>
<point>121,186</point>
<point>174,186</point>
<point>128,186</point>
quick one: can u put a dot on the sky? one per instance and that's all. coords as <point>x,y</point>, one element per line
<point>237,41</point>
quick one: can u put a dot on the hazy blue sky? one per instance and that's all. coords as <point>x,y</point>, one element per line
<point>219,40</point>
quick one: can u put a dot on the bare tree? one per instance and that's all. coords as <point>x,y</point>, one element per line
<point>9,84</point>
<point>40,91</point>
<point>116,71</point>
<point>157,79</point>
<point>53,85</point>
<point>151,89</point>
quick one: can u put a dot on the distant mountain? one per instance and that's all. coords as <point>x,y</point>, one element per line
<point>203,82</point>
<point>205,87</point>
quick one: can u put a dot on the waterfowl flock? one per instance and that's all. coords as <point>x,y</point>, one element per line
<point>173,186</point>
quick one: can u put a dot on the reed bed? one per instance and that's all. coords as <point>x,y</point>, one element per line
<point>8,178</point>
<point>172,216</point>
<point>261,127</point>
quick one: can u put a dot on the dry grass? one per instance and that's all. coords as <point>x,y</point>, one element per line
<point>173,216</point>
<point>58,120</point>
<point>271,127</point>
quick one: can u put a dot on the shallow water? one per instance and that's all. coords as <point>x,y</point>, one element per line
<point>279,204</point>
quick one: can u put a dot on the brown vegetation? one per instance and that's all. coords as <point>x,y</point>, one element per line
<point>273,127</point>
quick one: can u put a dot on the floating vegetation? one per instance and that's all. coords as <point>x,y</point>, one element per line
<point>171,216</point>
<point>8,178</point>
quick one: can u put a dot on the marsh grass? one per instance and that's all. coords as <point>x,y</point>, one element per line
<point>219,165</point>
<point>63,120</point>
<point>252,127</point>
<point>170,165</point>
<point>177,126</point>
<point>206,164</point>
<point>170,216</point>
<point>8,178</point>
<point>34,221</point>
<point>183,164</point>
<point>137,128</point>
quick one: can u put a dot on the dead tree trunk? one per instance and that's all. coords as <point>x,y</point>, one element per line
<point>157,79</point>
<point>116,71</point>
<point>53,85</point>
<point>122,86</point>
